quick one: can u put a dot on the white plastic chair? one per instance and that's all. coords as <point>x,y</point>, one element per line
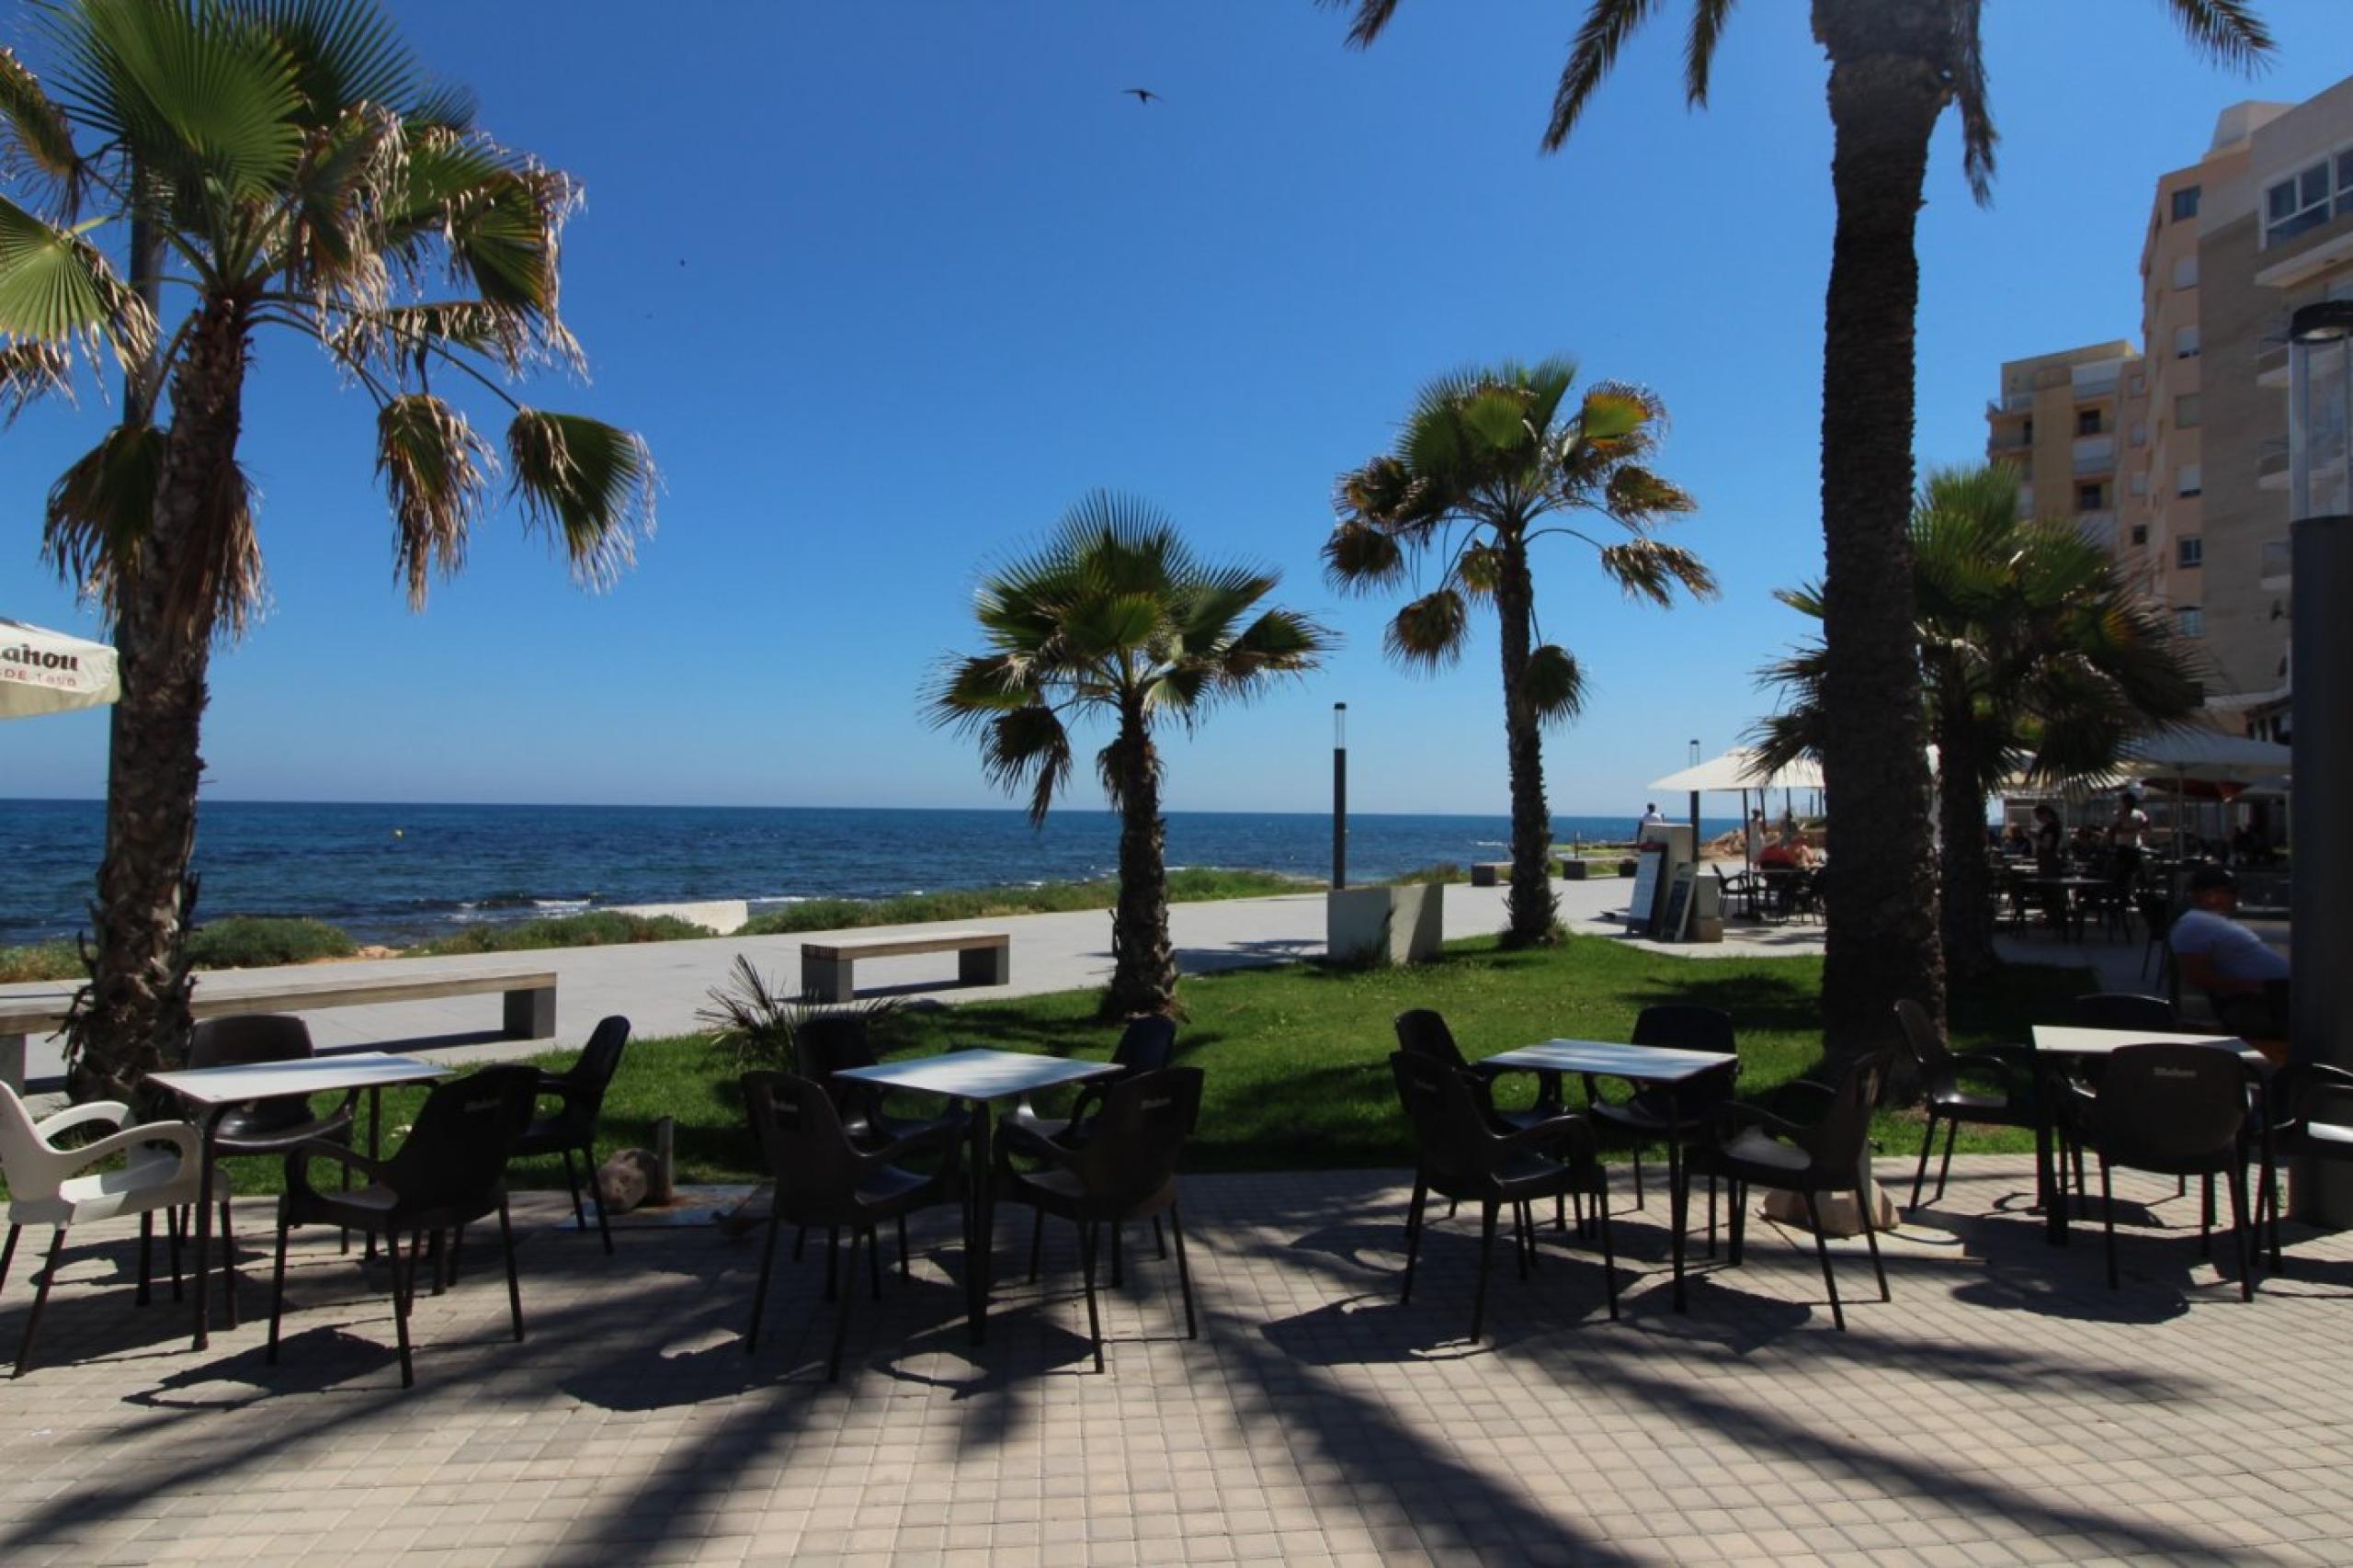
<point>44,1188</point>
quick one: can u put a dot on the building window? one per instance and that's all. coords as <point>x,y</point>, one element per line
<point>2185,204</point>
<point>2087,422</point>
<point>2139,383</point>
<point>2188,411</point>
<point>2088,497</point>
<point>2302,200</point>
<point>2189,551</point>
<point>2141,484</point>
<point>2185,271</point>
<point>2140,432</point>
<point>2185,342</point>
<point>2140,533</point>
<point>2190,620</point>
<point>2190,480</point>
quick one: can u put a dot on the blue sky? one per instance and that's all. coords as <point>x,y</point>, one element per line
<point>887,286</point>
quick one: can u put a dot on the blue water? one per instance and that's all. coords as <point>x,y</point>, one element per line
<point>395,872</point>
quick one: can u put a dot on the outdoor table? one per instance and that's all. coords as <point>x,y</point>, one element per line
<point>1667,1068</point>
<point>974,1078</point>
<point>2070,887</point>
<point>2067,1041</point>
<point>214,1091</point>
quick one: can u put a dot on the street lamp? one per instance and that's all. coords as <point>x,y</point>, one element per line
<point>2320,491</point>
<point>1339,794</point>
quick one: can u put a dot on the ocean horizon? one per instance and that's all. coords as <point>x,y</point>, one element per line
<point>403,871</point>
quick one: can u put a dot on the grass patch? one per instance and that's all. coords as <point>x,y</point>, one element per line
<point>1193,885</point>
<point>241,941</point>
<point>40,961</point>
<point>603,928</point>
<point>1296,1057</point>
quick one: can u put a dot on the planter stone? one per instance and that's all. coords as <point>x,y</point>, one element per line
<point>1403,924</point>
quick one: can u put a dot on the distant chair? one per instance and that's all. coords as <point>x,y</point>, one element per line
<point>1146,1045</point>
<point>272,1126</point>
<point>1685,1113</point>
<point>1126,1171</point>
<point>1423,1032</point>
<point>573,1125</point>
<point>1461,1154</point>
<point>449,1172</point>
<point>822,1177</point>
<point>47,1185</point>
<point>1755,1148</point>
<point>2004,1092</point>
<point>826,1044</point>
<point>2312,1121</point>
<point>2178,1111</point>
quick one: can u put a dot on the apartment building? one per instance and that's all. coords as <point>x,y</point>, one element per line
<point>2260,225</point>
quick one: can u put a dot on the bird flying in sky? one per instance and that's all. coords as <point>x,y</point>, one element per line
<point>1140,94</point>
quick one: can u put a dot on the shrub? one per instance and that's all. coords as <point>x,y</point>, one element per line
<point>1444,871</point>
<point>1193,884</point>
<point>251,941</point>
<point>602,929</point>
<point>40,961</point>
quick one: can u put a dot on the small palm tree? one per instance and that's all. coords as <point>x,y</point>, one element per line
<point>1490,460</point>
<point>1895,67</point>
<point>279,165</point>
<point>2037,658</point>
<point>1112,618</point>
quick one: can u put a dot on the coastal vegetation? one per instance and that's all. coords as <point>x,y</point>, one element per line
<point>1894,69</point>
<point>1190,884</point>
<point>244,941</point>
<point>594,928</point>
<point>1490,460</point>
<point>2039,660</point>
<point>1114,619</point>
<point>1296,1056</point>
<point>266,168</point>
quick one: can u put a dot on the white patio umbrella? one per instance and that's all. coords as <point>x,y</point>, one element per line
<point>1739,769</point>
<point>2208,755</point>
<point>49,671</point>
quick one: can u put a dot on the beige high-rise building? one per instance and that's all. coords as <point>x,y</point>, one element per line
<point>2060,422</point>
<point>2261,224</point>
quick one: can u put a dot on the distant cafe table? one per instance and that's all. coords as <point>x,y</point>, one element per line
<point>975,1078</point>
<point>1659,1066</point>
<point>2067,1043</point>
<point>213,1092</point>
<point>2071,891</point>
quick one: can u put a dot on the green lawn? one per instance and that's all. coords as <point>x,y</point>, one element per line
<point>1297,1057</point>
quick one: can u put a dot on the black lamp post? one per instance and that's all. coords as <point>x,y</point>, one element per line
<point>1339,794</point>
<point>2320,483</point>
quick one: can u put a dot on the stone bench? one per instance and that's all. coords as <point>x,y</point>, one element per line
<point>529,998</point>
<point>982,957</point>
<point>1490,873</point>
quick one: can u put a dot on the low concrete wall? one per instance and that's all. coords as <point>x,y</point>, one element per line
<point>722,917</point>
<point>1407,923</point>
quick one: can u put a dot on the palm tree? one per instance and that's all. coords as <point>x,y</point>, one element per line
<point>1490,460</point>
<point>1113,618</point>
<point>287,167</point>
<point>1895,66</point>
<point>2037,658</point>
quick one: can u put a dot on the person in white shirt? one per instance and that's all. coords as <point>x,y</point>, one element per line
<point>2246,979</point>
<point>1646,830</point>
<point>1757,835</point>
<point>2124,835</point>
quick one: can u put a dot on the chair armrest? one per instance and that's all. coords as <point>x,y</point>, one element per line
<point>113,1111</point>
<point>181,1135</point>
<point>939,1136</point>
<point>1569,1128</point>
<point>1731,1115</point>
<point>1995,1062</point>
<point>297,1161</point>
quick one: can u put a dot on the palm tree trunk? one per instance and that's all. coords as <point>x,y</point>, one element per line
<point>1144,961</point>
<point>1966,914</point>
<point>134,1017</point>
<point>1887,88</point>
<point>1533,908</point>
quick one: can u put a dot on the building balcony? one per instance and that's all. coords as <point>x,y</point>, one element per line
<point>2099,527</point>
<point>2271,464</point>
<point>2278,568</point>
<point>2011,440</point>
<point>2271,363</point>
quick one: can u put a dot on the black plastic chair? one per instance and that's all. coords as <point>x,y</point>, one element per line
<point>2311,1119</point>
<point>2004,1092</point>
<point>1462,1154</point>
<point>1126,1171</point>
<point>1653,1112</point>
<point>824,1178</point>
<point>832,1042</point>
<point>1144,1046</point>
<point>1423,1032</point>
<point>573,1125</point>
<point>1755,1148</point>
<point>449,1172</point>
<point>2177,1110</point>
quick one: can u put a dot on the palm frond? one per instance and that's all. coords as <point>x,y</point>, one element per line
<point>437,471</point>
<point>1028,747</point>
<point>1647,569</point>
<point>589,484</point>
<point>343,52</point>
<point>1978,137</point>
<point>1553,684</point>
<point>36,139</point>
<point>2230,30</point>
<point>1479,570</point>
<point>29,371</point>
<point>1608,25</point>
<point>1361,559</point>
<point>1707,19</point>
<point>1280,641</point>
<point>967,692</point>
<point>99,510</point>
<point>1429,633</point>
<point>56,288</point>
<point>1370,18</point>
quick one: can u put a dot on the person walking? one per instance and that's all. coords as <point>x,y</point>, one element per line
<point>2124,837</point>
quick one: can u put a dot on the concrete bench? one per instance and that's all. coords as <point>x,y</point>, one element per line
<point>1490,873</point>
<point>982,957</point>
<point>530,997</point>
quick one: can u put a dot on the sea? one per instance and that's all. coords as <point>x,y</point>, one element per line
<point>398,873</point>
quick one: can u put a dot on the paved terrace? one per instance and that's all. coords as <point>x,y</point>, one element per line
<point>2007,1407</point>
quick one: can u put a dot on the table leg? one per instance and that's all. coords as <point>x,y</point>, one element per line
<point>375,1151</point>
<point>1676,1195</point>
<point>207,1131</point>
<point>981,1238</point>
<point>2046,1182</point>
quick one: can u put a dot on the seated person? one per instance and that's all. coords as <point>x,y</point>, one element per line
<point>2016,843</point>
<point>2246,980</point>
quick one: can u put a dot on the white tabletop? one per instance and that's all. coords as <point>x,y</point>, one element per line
<point>2064,1040</point>
<point>1642,1063</point>
<point>979,1074</point>
<point>303,1075</point>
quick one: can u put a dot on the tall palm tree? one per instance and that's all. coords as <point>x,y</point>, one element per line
<point>2037,658</point>
<point>1895,67</point>
<point>1113,618</point>
<point>290,170</point>
<point>1490,460</point>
